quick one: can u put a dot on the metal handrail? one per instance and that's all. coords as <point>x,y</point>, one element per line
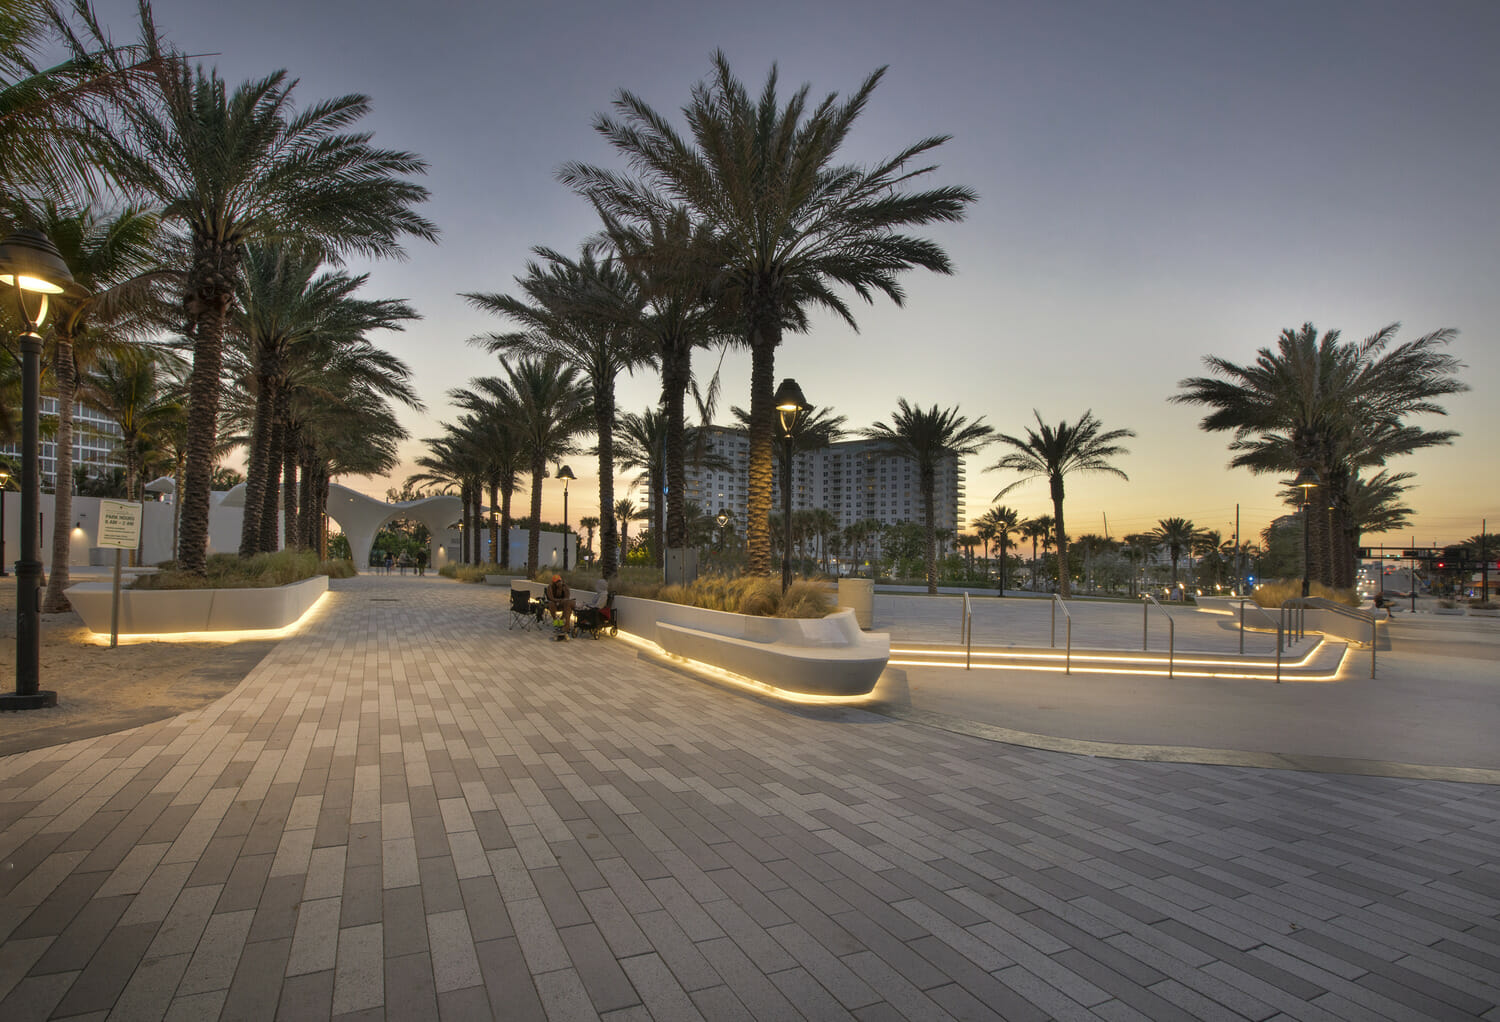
<point>1270,618</point>
<point>1302,604</point>
<point>1148,600</point>
<point>1058,602</point>
<point>966,627</point>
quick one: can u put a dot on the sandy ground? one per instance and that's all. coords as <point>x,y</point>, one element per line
<point>102,690</point>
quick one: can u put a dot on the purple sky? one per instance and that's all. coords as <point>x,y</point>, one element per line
<point>1158,182</point>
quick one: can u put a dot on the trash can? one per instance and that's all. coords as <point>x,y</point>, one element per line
<point>858,594</point>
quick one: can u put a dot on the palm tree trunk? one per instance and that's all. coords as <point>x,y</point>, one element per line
<point>534,534</point>
<point>273,526</point>
<point>1064,583</point>
<point>764,337</point>
<point>210,287</point>
<point>929,523</point>
<point>675,373</point>
<point>610,551</point>
<point>506,494</point>
<point>494,482</point>
<point>55,601</point>
<point>297,495</point>
<point>258,466</point>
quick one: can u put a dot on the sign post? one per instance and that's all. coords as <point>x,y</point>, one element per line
<point>119,527</point>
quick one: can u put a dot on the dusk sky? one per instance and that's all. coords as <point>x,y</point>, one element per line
<point>1157,182</point>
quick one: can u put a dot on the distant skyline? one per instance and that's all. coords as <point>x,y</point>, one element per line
<point>1158,182</point>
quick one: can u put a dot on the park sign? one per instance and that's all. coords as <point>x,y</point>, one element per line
<point>119,524</point>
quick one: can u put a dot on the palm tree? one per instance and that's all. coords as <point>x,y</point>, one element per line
<point>760,179</point>
<point>1002,522</point>
<point>1206,546</point>
<point>552,407</point>
<point>1141,546</point>
<point>589,523</point>
<point>49,116</point>
<point>625,512</point>
<point>1052,453</point>
<point>584,314</point>
<point>642,445</point>
<point>111,257</point>
<point>1177,535</point>
<point>282,304</point>
<point>1316,403</point>
<point>927,437</point>
<point>492,427</point>
<point>671,262</point>
<point>1036,529</point>
<point>243,167</point>
<point>1092,545</point>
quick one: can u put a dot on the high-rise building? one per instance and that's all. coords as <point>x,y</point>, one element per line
<point>853,479</point>
<point>96,441</point>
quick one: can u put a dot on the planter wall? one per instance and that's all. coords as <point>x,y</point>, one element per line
<point>821,656</point>
<point>163,611</point>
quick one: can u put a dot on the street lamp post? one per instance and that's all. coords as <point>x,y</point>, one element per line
<point>1307,481</point>
<point>565,474</point>
<point>31,264</point>
<point>791,406</point>
<point>4,483</point>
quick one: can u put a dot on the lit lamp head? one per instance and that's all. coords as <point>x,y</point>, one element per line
<point>1307,481</point>
<point>790,406</point>
<point>565,473</point>
<point>723,517</point>
<point>31,264</point>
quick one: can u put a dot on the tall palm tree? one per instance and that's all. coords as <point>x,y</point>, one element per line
<point>1177,535</point>
<point>642,446</point>
<point>671,261</point>
<point>112,258</point>
<point>552,407</point>
<point>1316,403</point>
<point>282,303</point>
<point>927,437</point>
<point>625,512</point>
<point>233,168</point>
<point>1003,523</point>
<point>589,523</point>
<point>492,427</point>
<point>789,222</point>
<point>1055,452</point>
<point>585,314</point>
<point>1036,529</point>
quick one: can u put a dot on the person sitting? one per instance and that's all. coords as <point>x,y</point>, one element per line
<point>560,603</point>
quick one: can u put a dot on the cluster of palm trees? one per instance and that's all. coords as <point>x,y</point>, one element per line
<point>1337,411</point>
<point>214,215</point>
<point>730,232</point>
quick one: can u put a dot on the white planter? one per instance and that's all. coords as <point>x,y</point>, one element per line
<point>164,611</point>
<point>820,656</point>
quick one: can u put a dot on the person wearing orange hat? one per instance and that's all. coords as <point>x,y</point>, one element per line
<point>560,602</point>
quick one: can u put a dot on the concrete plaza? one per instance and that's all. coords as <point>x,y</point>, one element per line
<point>408,811</point>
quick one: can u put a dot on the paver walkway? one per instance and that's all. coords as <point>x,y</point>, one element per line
<point>406,811</point>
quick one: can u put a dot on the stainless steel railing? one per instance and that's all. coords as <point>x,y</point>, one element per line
<point>1068,660</point>
<point>1148,601</point>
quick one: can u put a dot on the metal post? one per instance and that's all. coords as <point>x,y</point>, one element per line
<point>29,567</point>
<point>786,518</point>
<point>1242,627</point>
<point>1052,642</point>
<point>1278,652</point>
<point>1145,621</point>
<point>3,572</point>
<point>1068,664</point>
<point>1171,644</point>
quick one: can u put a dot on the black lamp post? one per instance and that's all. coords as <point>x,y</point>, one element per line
<point>565,474</point>
<point>32,265</point>
<point>791,406</point>
<point>4,483</point>
<point>1307,481</point>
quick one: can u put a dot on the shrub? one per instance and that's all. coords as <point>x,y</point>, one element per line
<point>758,596</point>
<point>449,570</point>
<point>340,567</point>
<point>230,571</point>
<point>1278,591</point>
<point>1448,604</point>
<point>805,599</point>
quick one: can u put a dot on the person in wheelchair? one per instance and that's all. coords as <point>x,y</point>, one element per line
<point>559,602</point>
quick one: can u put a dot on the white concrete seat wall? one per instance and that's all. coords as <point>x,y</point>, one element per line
<point>821,656</point>
<point>164,611</point>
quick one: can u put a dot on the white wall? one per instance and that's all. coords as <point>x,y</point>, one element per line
<point>224,525</point>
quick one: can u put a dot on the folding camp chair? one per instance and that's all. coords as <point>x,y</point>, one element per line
<point>523,612</point>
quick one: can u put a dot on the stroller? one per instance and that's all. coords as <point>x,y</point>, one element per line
<point>599,615</point>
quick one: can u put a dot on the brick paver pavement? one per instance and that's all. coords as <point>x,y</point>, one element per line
<point>407,811</point>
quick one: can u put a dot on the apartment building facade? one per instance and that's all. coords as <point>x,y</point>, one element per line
<point>853,479</point>
<point>96,441</point>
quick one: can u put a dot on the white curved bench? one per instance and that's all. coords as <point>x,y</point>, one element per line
<point>813,656</point>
